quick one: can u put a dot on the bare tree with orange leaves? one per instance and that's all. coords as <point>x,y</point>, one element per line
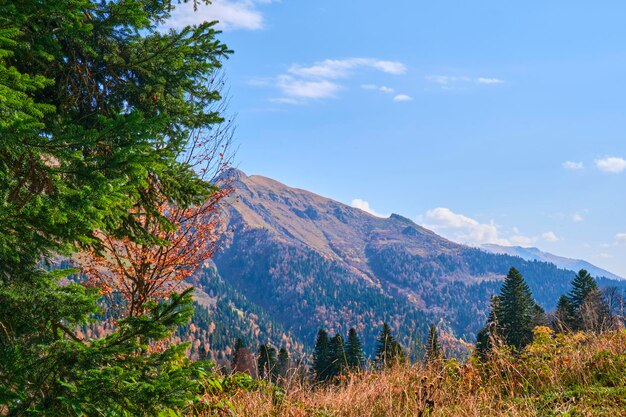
<point>151,270</point>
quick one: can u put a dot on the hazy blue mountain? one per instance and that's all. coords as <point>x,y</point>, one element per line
<point>534,254</point>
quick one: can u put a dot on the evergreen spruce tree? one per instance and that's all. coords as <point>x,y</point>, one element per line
<point>564,317</point>
<point>517,311</point>
<point>243,360</point>
<point>590,310</point>
<point>388,350</point>
<point>490,331</point>
<point>338,363</point>
<point>97,107</point>
<point>237,351</point>
<point>203,354</point>
<point>282,366</point>
<point>433,349</point>
<point>582,285</point>
<point>354,351</point>
<point>321,360</point>
<point>266,362</point>
<point>594,312</point>
<point>539,316</point>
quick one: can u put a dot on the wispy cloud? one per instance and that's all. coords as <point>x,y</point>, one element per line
<point>306,89</point>
<point>620,238</point>
<point>365,206</point>
<point>449,82</point>
<point>402,97</point>
<point>322,79</point>
<point>381,88</point>
<point>232,15</point>
<point>461,228</point>
<point>571,165</point>
<point>577,217</point>
<point>341,68</point>
<point>483,80</point>
<point>612,164</point>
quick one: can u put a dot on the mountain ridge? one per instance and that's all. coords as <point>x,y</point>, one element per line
<point>532,253</point>
<point>306,261</point>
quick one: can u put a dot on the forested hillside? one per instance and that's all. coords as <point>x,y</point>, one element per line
<point>307,262</point>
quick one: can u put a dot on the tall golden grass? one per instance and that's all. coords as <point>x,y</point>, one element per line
<point>557,375</point>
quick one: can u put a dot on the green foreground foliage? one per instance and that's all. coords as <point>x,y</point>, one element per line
<point>97,110</point>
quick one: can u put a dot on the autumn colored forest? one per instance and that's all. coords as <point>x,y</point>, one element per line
<point>116,173</point>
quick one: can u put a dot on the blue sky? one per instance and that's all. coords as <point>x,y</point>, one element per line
<point>482,120</point>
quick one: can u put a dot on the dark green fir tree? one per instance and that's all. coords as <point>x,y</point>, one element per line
<point>337,356</point>
<point>98,108</point>
<point>564,316</point>
<point>282,367</point>
<point>388,350</point>
<point>266,362</point>
<point>321,360</point>
<point>582,284</point>
<point>354,351</point>
<point>518,311</point>
<point>433,348</point>
<point>489,333</point>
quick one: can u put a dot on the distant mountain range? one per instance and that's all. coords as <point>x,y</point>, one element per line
<point>293,261</point>
<point>534,254</point>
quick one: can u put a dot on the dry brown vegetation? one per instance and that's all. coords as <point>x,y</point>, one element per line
<point>557,375</point>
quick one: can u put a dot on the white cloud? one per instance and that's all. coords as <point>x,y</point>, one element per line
<point>402,97</point>
<point>320,80</point>
<point>306,89</point>
<point>620,237</point>
<point>448,82</point>
<point>382,88</point>
<point>605,255</point>
<point>573,165</point>
<point>445,80</point>
<point>550,237</point>
<point>466,230</point>
<point>577,218</point>
<point>242,14</point>
<point>461,228</point>
<point>484,80</point>
<point>365,206</point>
<point>341,68</point>
<point>611,164</point>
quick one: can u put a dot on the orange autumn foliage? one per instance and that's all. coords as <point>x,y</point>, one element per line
<point>143,272</point>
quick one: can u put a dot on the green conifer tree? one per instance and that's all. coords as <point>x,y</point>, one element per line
<point>282,367</point>
<point>354,351</point>
<point>517,311</point>
<point>97,107</point>
<point>237,351</point>
<point>485,337</point>
<point>564,317</point>
<point>266,362</point>
<point>582,284</point>
<point>591,312</point>
<point>388,350</point>
<point>321,360</point>
<point>433,348</point>
<point>594,313</point>
<point>337,356</point>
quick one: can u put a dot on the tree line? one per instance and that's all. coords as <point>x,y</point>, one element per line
<point>514,313</point>
<point>513,316</point>
<point>332,356</point>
